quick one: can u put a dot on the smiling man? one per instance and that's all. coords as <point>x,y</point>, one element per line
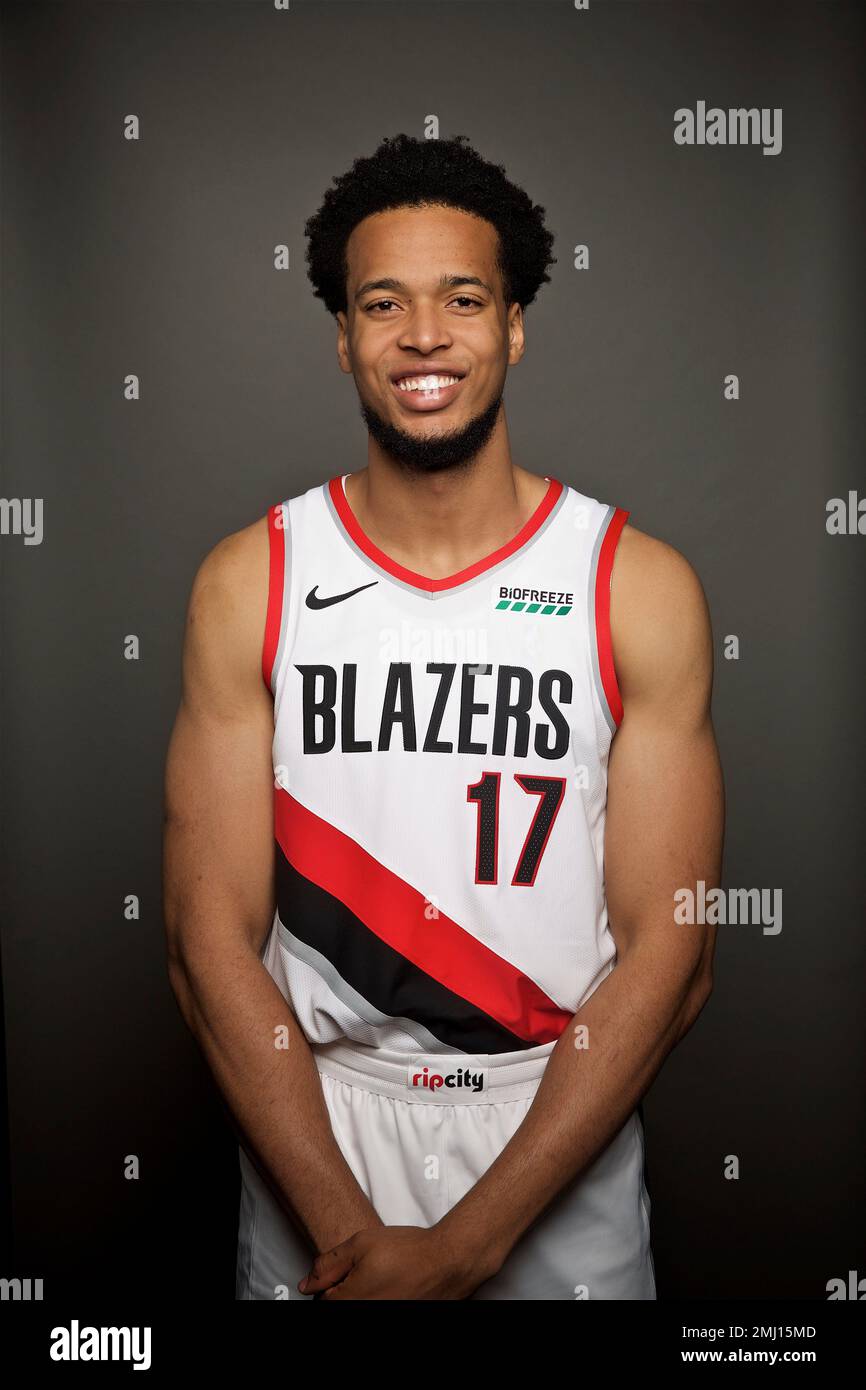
<point>443,758</point>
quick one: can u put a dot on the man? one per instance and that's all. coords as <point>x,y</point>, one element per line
<point>439,769</point>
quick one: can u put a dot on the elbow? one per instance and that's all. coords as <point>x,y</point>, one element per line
<point>175,914</point>
<point>182,990</point>
<point>173,954</point>
<point>176,969</point>
<point>699,992</point>
<point>178,978</point>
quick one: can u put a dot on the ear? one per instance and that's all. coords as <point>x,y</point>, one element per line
<point>516,334</point>
<point>343,354</point>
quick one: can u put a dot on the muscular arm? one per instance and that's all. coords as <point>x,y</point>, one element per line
<point>219,903</point>
<point>664,831</point>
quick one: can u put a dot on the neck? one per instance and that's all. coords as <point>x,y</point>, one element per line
<point>440,523</point>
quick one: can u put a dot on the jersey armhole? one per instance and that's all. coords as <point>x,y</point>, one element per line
<point>277,523</point>
<point>604,671</point>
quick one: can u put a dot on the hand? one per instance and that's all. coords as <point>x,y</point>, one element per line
<point>394,1262</point>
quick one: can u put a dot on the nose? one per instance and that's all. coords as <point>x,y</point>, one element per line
<point>425,329</point>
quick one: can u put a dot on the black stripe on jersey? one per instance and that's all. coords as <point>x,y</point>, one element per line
<point>381,975</point>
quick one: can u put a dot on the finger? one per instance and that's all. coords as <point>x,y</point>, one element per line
<point>344,1288</point>
<point>315,1283</point>
<point>357,1285</point>
<point>328,1268</point>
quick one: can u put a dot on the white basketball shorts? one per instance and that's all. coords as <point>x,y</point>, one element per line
<point>418,1132</point>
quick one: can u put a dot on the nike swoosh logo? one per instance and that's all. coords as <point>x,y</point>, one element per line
<point>313,600</point>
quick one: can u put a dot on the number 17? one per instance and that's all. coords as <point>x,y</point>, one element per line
<point>485,794</point>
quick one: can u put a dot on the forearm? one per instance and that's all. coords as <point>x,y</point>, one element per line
<point>633,1020</point>
<point>235,1011</point>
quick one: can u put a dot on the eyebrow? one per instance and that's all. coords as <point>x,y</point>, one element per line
<point>446,282</point>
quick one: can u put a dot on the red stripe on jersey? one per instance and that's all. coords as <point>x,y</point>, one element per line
<point>276,575</point>
<point>421,581</point>
<point>602,613</point>
<point>395,912</point>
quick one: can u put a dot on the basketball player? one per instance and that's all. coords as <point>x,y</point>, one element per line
<point>443,758</point>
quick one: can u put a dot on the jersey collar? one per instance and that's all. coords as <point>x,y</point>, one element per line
<point>347,522</point>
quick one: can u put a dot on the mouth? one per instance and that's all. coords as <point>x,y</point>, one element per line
<point>426,391</point>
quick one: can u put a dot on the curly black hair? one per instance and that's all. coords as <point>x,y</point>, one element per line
<point>406,172</point>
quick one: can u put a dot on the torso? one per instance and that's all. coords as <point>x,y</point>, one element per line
<point>441,749</point>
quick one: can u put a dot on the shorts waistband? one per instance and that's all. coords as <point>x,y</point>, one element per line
<point>449,1078</point>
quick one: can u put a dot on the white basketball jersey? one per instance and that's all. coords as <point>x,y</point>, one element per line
<point>440,756</point>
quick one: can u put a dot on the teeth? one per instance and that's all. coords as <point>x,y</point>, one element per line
<point>425,383</point>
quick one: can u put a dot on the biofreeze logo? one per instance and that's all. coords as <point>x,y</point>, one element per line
<point>456,1079</point>
<point>544,601</point>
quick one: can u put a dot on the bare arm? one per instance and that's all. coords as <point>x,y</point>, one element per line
<point>219,898</point>
<point>664,831</point>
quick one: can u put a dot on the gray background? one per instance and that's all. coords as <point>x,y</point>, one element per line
<point>155,257</point>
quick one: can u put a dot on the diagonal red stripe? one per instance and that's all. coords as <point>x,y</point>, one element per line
<point>394,911</point>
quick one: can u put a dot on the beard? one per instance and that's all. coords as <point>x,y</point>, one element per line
<point>422,454</point>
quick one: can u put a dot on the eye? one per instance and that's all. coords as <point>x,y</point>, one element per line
<point>458,299</point>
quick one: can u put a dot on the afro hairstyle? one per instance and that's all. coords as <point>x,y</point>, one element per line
<point>407,172</point>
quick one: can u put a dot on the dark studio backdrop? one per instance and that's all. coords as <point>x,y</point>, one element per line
<point>155,257</point>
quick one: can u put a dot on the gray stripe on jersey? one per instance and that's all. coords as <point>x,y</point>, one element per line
<point>287,576</point>
<point>350,997</point>
<point>593,633</point>
<point>454,588</point>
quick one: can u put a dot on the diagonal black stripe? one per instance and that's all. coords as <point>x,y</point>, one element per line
<point>384,977</point>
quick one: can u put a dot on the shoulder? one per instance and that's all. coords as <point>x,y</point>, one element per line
<point>660,622</point>
<point>233,576</point>
<point>228,604</point>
